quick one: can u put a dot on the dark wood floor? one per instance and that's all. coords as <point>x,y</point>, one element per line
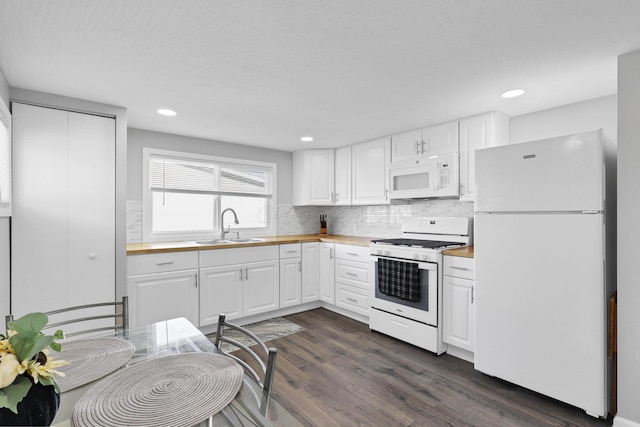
<point>338,373</point>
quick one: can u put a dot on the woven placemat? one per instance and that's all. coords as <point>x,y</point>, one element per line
<point>172,391</point>
<point>90,359</point>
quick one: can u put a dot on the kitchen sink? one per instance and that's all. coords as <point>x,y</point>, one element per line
<point>213,242</point>
<point>254,239</point>
<point>229,241</point>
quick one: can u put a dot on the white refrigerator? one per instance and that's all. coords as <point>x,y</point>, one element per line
<point>541,306</point>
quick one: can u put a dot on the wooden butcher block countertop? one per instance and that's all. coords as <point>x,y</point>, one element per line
<point>466,252</point>
<point>150,248</point>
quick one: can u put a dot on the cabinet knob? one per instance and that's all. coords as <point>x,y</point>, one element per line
<point>92,256</point>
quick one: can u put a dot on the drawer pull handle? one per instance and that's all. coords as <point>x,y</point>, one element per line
<point>453,267</point>
<point>352,300</point>
<point>292,252</point>
<point>399,324</point>
<point>352,274</point>
<point>352,254</point>
<point>165,263</point>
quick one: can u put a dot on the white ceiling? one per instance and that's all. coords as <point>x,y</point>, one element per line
<point>266,72</point>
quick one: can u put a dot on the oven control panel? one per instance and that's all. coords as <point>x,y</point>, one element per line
<point>424,255</point>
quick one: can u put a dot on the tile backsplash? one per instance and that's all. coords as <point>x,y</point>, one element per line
<point>367,221</point>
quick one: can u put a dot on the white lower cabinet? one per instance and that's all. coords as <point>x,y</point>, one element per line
<point>352,278</point>
<point>326,274</point>
<point>238,289</point>
<point>162,286</point>
<point>290,275</point>
<point>221,289</point>
<point>458,304</point>
<point>310,272</point>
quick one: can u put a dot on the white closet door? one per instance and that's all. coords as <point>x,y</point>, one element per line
<point>63,232</point>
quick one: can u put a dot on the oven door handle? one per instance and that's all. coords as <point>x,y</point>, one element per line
<point>422,265</point>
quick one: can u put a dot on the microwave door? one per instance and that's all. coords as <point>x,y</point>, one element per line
<point>411,182</point>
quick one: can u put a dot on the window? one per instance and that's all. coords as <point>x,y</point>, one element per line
<point>184,195</point>
<point>5,161</point>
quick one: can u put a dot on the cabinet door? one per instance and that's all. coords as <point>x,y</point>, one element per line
<point>310,272</point>
<point>406,145</point>
<point>343,176</point>
<point>482,131</point>
<point>458,312</point>
<point>319,177</point>
<point>261,287</point>
<point>290,281</point>
<point>441,138</point>
<point>370,171</point>
<point>220,293</point>
<point>327,273</point>
<point>162,296</point>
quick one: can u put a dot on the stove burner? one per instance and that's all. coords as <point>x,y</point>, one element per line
<point>429,244</point>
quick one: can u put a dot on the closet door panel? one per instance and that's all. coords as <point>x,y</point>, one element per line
<point>39,224</point>
<point>91,208</point>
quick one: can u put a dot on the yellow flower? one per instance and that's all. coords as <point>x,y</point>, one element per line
<point>5,346</point>
<point>46,370</point>
<point>9,368</point>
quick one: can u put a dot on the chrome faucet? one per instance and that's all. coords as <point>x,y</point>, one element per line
<point>224,232</point>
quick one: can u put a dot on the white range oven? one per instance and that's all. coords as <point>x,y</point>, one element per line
<point>406,276</point>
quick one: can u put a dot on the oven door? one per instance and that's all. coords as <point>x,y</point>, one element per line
<point>425,310</point>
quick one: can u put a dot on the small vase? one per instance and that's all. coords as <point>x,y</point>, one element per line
<point>37,408</point>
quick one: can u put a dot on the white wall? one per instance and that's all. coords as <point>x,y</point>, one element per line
<point>628,238</point>
<point>4,89</point>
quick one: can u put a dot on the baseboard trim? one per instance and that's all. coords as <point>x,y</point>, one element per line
<point>618,421</point>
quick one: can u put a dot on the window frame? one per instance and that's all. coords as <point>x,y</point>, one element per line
<point>5,118</point>
<point>147,200</point>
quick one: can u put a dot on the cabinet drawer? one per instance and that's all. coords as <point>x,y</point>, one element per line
<point>461,267</point>
<point>353,253</point>
<point>353,273</point>
<point>291,250</point>
<point>415,333</point>
<point>159,263</point>
<point>219,257</point>
<point>352,299</point>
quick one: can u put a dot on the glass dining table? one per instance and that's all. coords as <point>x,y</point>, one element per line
<point>251,406</point>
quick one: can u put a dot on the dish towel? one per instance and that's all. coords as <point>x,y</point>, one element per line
<point>399,279</point>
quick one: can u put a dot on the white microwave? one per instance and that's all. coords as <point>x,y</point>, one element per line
<point>433,176</point>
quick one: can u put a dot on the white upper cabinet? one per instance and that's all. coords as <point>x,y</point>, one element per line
<point>442,138</point>
<point>369,168</point>
<point>481,131</point>
<point>313,177</point>
<point>343,176</point>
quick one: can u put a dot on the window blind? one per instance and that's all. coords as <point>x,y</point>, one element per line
<point>182,175</point>
<point>201,177</point>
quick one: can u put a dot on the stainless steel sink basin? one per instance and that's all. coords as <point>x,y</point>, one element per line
<point>254,239</point>
<point>229,241</point>
<point>213,242</point>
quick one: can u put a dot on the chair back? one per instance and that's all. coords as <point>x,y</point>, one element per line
<point>266,361</point>
<point>84,318</point>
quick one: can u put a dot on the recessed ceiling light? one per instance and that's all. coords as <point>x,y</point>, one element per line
<point>512,93</point>
<point>306,139</point>
<point>166,112</point>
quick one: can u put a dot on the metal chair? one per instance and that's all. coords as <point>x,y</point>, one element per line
<point>266,369</point>
<point>120,315</point>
